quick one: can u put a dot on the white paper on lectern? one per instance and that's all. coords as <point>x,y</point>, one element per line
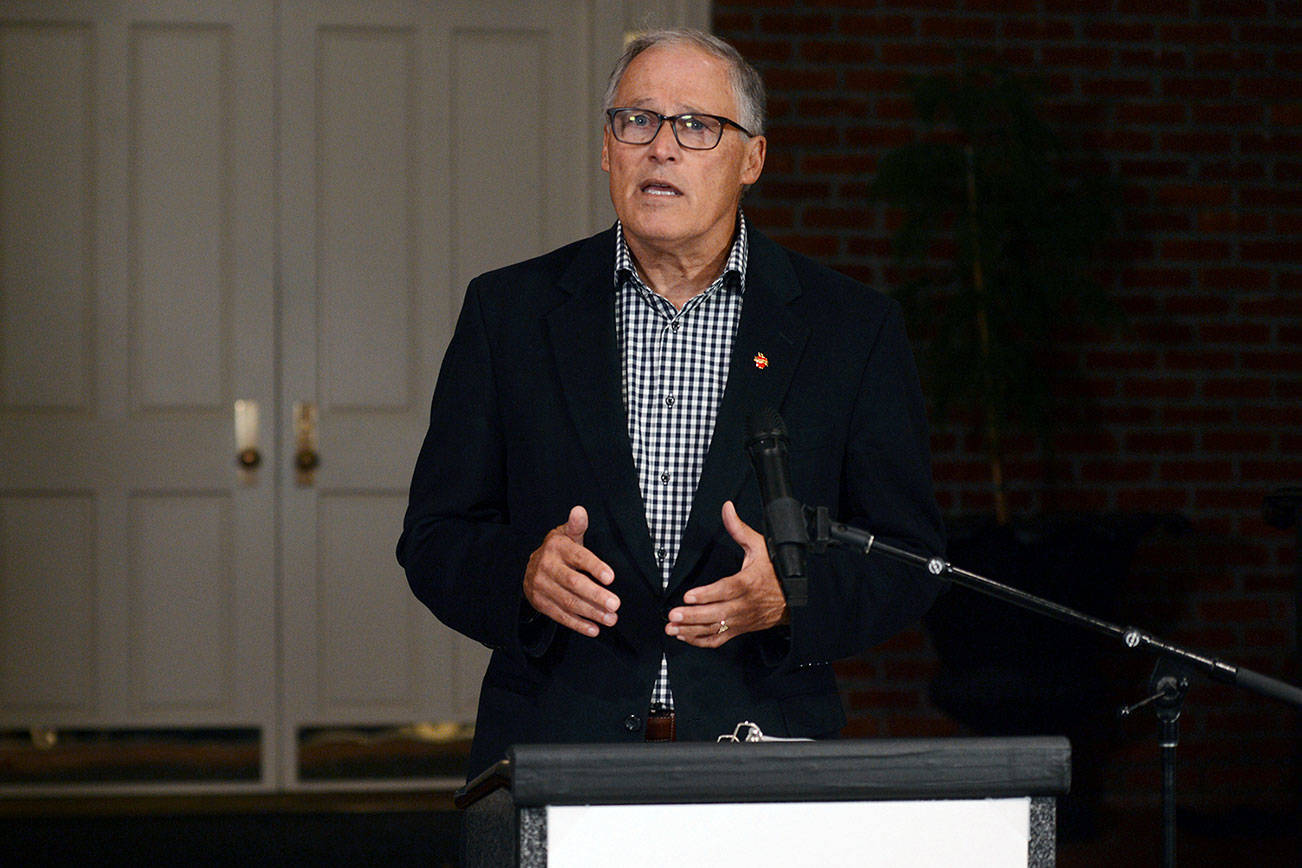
<point>976,833</point>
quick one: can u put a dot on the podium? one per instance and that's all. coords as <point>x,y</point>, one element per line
<point>884,802</point>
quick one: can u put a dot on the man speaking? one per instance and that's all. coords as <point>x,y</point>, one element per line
<point>583,503</point>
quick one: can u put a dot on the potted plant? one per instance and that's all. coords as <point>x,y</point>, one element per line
<point>996,248</point>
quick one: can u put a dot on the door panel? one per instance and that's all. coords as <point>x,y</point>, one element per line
<point>422,144</point>
<point>137,572</point>
<point>175,238</point>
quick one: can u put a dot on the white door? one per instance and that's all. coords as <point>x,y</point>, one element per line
<point>136,164</point>
<point>275,201</point>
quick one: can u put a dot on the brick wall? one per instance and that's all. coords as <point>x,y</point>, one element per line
<point>1196,105</point>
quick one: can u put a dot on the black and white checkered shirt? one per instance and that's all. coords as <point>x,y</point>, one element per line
<point>675,368</point>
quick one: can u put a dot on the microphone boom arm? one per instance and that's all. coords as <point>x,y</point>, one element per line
<point>827,532</point>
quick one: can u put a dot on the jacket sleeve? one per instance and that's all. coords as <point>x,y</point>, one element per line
<point>886,489</point>
<point>462,558</point>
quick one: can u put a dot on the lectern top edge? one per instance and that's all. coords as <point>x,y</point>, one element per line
<point>835,770</point>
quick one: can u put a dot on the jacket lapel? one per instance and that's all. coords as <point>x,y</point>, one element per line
<point>582,332</point>
<point>767,328</point>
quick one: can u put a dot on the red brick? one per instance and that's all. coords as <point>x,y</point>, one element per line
<point>875,25</point>
<point>1236,278</point>
<point>1231,222</point>
<point>1037,28</point>
<point>798,22</point>
<point>1270,197</point>
<point>1237,388</point>
<point>1119,30</point>
<point>1151,113</point>
<point>1271,143</point>
<point>1150,59</point>
<point>1203,33</point>
<point>1236,441</point>
<point>1271,87</point>
<point>1231,114</point>
<point>1198,360</point>
<point>838,164</point>
<point>1154,500</point>
<point>1275,360</point>
<point>1116,88</point>
<point>791,136</point>
<point>876,80</point>
<point>1077,56</point>
<point>1198,88</point>
<point>1157,278</point>
<point>1232,498</point>
<point>837,51</point>
<point>956,27</point>
<point>1197,415</point>
<point>1234,8</point>
<point>801,78</point>
<point>1196,250</point>
<point>1164,332</point>
<point>1202,142</point>
<point>763,50</point>
<point>1193,194</point>
<point>1196,471</point>
<point>1163,442</point>
<point>909,54</point>
<point>1136,169</point>
<point>1283,252</point>
<point>1286,115</point>
<point>1126,360</point>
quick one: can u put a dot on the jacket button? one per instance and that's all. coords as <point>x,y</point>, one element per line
<point>632,723</point>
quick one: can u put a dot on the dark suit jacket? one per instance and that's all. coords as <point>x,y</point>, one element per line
<point>528,421</point>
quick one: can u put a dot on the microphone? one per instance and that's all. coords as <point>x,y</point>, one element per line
<point>784,516</point>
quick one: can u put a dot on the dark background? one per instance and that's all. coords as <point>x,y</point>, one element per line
<point>1195,410</point>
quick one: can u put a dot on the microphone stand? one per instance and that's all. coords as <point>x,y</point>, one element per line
<point>1170,678</point>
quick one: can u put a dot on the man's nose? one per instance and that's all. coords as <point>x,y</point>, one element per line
<point>664,146</point>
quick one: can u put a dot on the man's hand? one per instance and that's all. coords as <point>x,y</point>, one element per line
<point>558,581</point>
<point>746,601</point>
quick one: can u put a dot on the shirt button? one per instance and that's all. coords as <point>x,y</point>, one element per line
<point>669,400</point>
<point>673,327</point>
<point>664,477</point>
<point>661,554</point>
<point>632,723</point>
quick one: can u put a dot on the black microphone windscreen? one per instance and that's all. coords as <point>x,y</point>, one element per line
<point>765,423</point>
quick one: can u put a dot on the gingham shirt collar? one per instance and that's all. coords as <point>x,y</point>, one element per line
<point>734,270</point>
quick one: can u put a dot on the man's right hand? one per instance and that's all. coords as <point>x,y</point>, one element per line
<point>559,580</point>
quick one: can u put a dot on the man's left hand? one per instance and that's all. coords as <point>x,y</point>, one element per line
<point>749,600</point>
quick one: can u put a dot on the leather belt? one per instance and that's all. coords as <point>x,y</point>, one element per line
<point>661,725</point>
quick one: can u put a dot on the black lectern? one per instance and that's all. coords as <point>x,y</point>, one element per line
<point>974,802</point>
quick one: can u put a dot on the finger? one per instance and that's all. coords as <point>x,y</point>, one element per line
<point>585,561</point>
<point>706,637</point>
<point>571,599</point>
<point>697,617</point>
<point>727,588</point>
<point>589,599</point>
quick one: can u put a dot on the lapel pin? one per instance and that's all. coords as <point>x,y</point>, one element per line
<point>761,361</point>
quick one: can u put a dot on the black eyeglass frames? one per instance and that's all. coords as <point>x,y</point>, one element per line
<point>696,132</point>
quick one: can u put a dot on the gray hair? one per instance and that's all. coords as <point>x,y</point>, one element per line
<point>747,86</point>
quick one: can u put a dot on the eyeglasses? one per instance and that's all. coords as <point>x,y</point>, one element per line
<point>635,126</point>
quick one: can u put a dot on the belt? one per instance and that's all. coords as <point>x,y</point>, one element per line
<point>661,725</point>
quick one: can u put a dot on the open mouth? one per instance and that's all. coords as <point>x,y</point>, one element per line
<point>660,188</point>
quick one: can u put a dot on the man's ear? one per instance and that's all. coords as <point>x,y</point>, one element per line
<point>753,163</point>
<point>605,149</point>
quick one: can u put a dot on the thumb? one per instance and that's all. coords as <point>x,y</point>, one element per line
<point>577,524</point>
<point>742,534</point>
